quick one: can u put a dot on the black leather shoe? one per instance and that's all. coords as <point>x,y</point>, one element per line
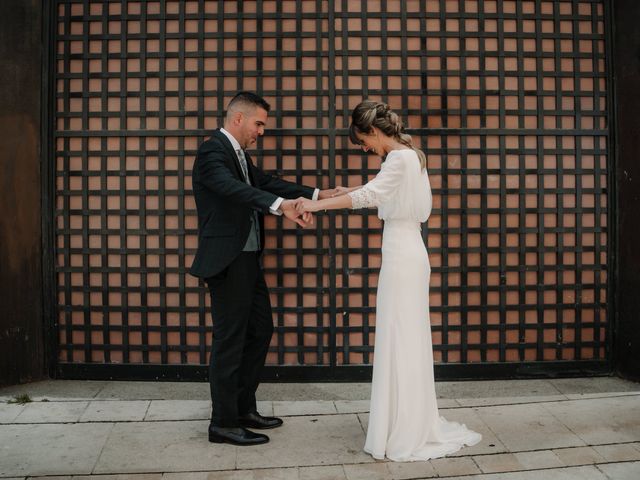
<point>235,436</point>
<point>255,420</point>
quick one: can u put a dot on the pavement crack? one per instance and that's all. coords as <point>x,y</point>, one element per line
<point>104,444</point>
<point>361,424</point>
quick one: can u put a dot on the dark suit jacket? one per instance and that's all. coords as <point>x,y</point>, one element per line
<point>225,202</point>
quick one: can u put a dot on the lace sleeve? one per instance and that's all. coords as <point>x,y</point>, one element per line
<point>363,198</point>
<point>384,186</point>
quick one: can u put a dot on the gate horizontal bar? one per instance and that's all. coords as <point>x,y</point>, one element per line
<point>346,373</point>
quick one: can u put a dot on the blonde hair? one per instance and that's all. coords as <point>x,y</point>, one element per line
<point>369,114</point>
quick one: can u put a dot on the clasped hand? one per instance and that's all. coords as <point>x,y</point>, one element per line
<point>304,206</point>
<point>301,210</point>
<point>289,210</point>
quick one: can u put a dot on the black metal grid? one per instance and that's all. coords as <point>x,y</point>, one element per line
<point>511,110</point>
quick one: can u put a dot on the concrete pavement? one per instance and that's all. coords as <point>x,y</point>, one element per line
<point>585,428</point>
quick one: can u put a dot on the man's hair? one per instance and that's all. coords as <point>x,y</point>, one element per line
<point>244,100</point>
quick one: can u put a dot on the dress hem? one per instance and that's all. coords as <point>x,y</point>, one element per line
<point>453,448</point>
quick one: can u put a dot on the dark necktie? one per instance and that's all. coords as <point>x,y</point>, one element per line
<point>243,165</point>
<point>254,214</point>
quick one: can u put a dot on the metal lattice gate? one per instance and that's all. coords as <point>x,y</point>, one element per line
<point>509,99</point>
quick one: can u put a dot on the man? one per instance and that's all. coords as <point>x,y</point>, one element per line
<point>232,195</point>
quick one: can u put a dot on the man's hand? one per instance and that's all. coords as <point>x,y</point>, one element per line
<point>288,208</point>
<point>341,191</point>
<point>334,192</point>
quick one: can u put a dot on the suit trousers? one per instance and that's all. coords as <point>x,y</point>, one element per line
<point>242,329</point>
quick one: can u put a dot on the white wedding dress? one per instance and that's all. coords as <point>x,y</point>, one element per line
<point>404,424</point>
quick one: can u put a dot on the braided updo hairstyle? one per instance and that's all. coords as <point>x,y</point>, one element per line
<point>369,114</point>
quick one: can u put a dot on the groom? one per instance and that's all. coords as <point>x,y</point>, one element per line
<point>232,196</point>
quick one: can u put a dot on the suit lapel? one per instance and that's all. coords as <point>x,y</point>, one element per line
<point>233,156</point>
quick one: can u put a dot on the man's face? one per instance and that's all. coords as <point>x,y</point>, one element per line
<point>252,126</point>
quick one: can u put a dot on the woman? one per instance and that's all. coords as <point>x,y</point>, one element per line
<point>404,423</point>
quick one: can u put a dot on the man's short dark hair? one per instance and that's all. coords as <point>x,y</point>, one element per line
<point>248,98</point>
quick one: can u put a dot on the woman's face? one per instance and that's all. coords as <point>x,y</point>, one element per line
<point>370,142</point>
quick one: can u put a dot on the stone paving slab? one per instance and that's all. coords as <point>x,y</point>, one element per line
<point>148,447</point>
<point>572,473</point>
<point>61,477</point>
<point>363,418</point>
<point>9,412</point>
<point>63,449</point>
<point>618,452</point>
<point>126,476</point>
<point>175,410</point>
<point>328,472</point>
<point>155,391</point>
<point>114,411</point>
<point>496,401</point>
<point>528,427</point>
<point>362,406</point>
<point>286,409</point>
<point>473,420</point>
<point>448,403</point>
<point>578,456</point>
<point>496,388</point>
<point>502,462</point>
<point>450,466</point>
<point>51,412</point>
<point>352,406</point>
<point>309,441</point>
<point>593,385</point>
<point>55,390</point>
<point>313,391</point>
<point>603,420</point>
<point>265,408</point>
<point>407,470</point>
<point>259,474</point>
<point>377,471</point>
<point>589,396</point>
<point>539,459</point>
<point>621,471</point>
<point>410,470</point>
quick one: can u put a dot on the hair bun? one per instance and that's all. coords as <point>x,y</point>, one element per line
<point>382,109</point>
<point>395,122</point>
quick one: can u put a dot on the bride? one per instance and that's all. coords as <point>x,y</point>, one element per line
<point>404,423</point>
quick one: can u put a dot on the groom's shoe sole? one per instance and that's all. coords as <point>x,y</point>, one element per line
<point>216,438</point>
